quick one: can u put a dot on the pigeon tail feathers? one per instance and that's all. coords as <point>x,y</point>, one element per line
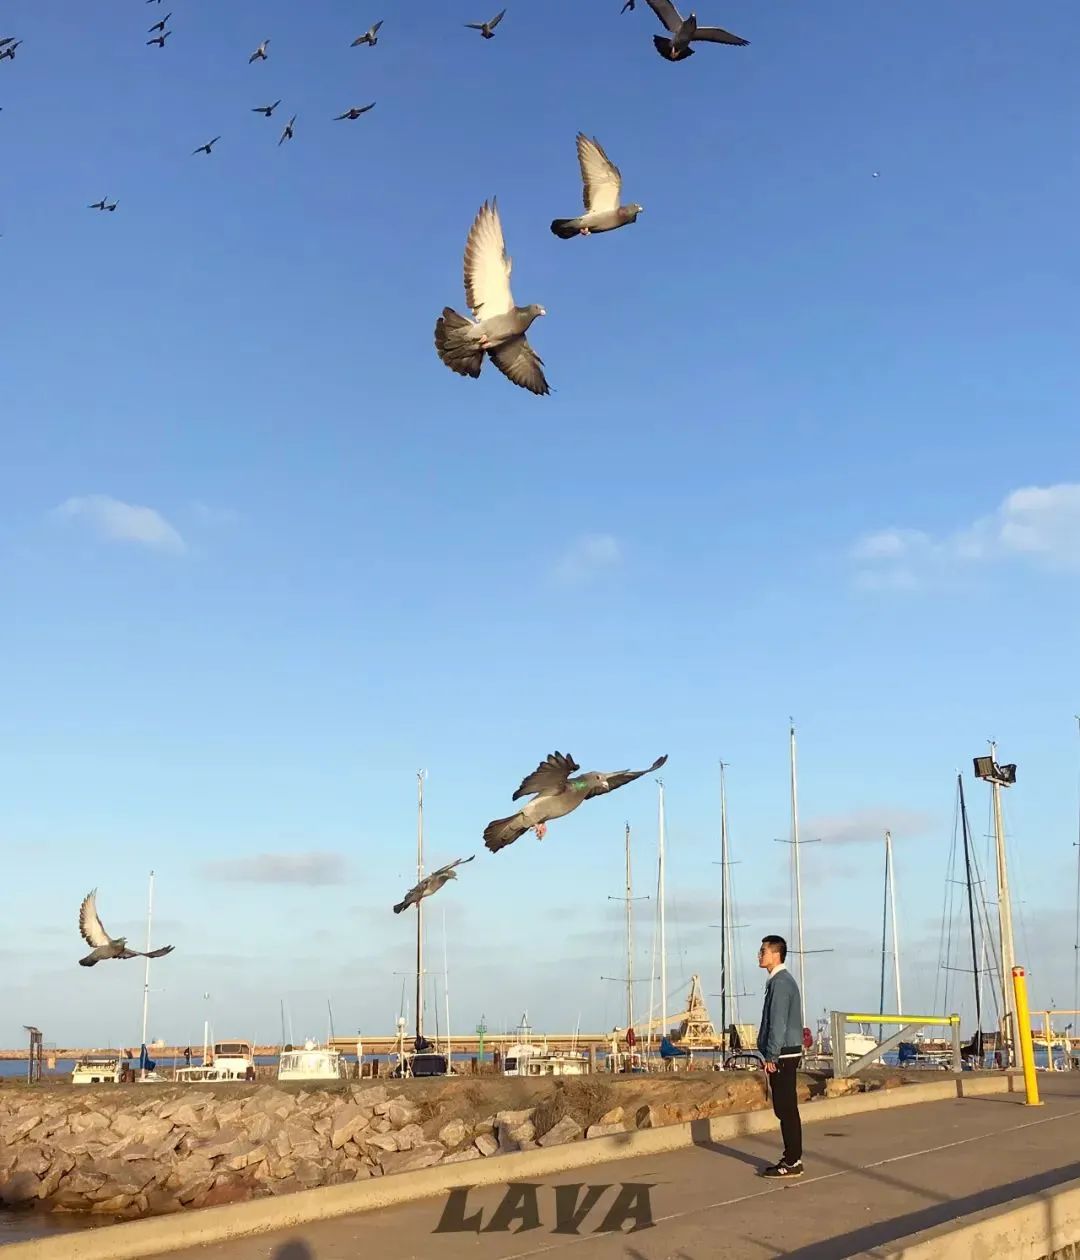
<point>664,47</point>
<point>566,229</point>
<point>504,831</point>
<point>454,343</point>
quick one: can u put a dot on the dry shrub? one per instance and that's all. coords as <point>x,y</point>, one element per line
<point>586,1099</point>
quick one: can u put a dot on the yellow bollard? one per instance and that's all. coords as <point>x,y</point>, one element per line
<point>1023,1034</point>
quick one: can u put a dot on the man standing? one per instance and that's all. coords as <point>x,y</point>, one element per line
<point>780,1042</point>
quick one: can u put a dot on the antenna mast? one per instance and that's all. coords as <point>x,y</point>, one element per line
<point>420,775</point>
<point>146,972</point>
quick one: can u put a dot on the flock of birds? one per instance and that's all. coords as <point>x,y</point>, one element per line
<point>498,325</point>
<point>556,790</point>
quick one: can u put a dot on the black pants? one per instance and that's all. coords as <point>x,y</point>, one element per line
<point>785,1105</point>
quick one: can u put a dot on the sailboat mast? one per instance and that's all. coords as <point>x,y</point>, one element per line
<point>146,972</point>
<point>1076,941</point>
<point>419,907</point>
<point>723,906</point>
<point>660,893</point>
<point>1008,953</point>
<point>971,911</point>
<point>446,989</point>
<point>884,937</point>
<point>890,868</point>
<point>629,938</point>
<point>798,873</point>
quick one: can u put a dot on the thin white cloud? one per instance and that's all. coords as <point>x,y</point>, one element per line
<point>868,824</point>
<point>1037,525</point>
<point>116,521</point>
<point>587,557</point>
<point>311,869</point>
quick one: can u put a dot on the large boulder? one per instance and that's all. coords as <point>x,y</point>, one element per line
<point>453,1133</point>
<point>400,1112</point>
<point>565,1130</point>
<point>423,1155</point>
<point>23,1187</point>
<point>485,1144</point>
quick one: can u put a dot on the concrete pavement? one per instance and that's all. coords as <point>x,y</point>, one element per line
<point>870,1179</point>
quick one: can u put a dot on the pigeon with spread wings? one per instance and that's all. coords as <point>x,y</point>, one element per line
<point>103,945</point>
<point>487,29</point>
<point>430,884</point>
<point>685,31</point>
<point>555,794</point>
<point>601,183</point>
<point>500,325</point>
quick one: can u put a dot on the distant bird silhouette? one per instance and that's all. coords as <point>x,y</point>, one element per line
<point>159,39</point>
<point>205,148</point>
<point>260,53</point>
<point>355,112</point>
<point>370,37</point>
<point>628,5</point>
<point>103,945</point>
<point>112,205</point>
<point>98,205</point>
<point>487,29</point>
<point>287,134</point>
<point>159,26</point>
<point>266,110</point>
<point>9,52</point>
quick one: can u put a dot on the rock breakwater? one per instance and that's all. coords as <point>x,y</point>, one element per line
<point>139,1151</point>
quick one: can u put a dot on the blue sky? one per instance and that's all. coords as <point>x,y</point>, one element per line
<point>811,451</point>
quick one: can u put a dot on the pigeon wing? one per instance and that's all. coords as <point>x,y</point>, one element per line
<point>667,13</point>
<point>549,776</point>
<point>450,866</point>
<point>717,35</point>
<point>600,178</point>
<point>89,924</point>
<point>520,363</point>
<point>487,268</point>
<point>620,778</point>
<point>496,20</point>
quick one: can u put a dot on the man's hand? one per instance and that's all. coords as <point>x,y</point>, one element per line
<point>770,1068</point>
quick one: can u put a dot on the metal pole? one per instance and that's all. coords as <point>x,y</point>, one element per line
<point>419,906</point>
<point>446,990</point>
<point>884,923</point>
<point>629,939</point>
<point>1076,941</point>
<point>1008,955</point>
<point>1027,1053</point>
<point>798,878</point>
<point>723,907</point>
<point>663,937</point>
<point>146,972</point>
<point>895,930</point>
<point>971,917</point>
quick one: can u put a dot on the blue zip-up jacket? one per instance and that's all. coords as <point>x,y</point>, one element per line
<point>781,1016</point>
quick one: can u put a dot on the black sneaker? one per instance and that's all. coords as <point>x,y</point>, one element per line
<point>784,1169</point>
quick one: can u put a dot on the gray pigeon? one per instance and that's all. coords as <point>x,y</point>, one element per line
<point>370,37</point>
<point>487,29</point>
<point>159,39</point>
<point>287,134</point>
<point>430,884</point>
<point>685,31</point>
<point>266,110</point>
<point>159,26</point>
<point>554,795</point>
<point>260,53</point>
<point>500,327</point>
<point>205,148</point>
<point>9,51</point>
<point>355,112</point>
<point>601,185</point>
<point>105,946</point>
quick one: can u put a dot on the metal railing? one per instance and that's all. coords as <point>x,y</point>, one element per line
<point>909,1023</point>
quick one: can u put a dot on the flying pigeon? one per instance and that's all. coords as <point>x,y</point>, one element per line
<point>684,31</point>
<point>159,39</point>
<point>486,29</point>
<point>260,53</point>
<point>266,110</point>
<point>371,37</point>
<point>554,795</point>
<point>430,884</point>
<point>500,325</point>
<point>205,148</point>
<point>355,112</point>
<point>9,52</point>
<point>601,185</point>
<point>159,26</point>
<point>104,946</point>
<point>287,134</point>
<point>98,205</point>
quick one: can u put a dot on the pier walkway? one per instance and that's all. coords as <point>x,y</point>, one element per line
<point>870,1179</point>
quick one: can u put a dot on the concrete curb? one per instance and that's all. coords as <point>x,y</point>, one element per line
<point>155,1236</point>
<point>1031,1228</point>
